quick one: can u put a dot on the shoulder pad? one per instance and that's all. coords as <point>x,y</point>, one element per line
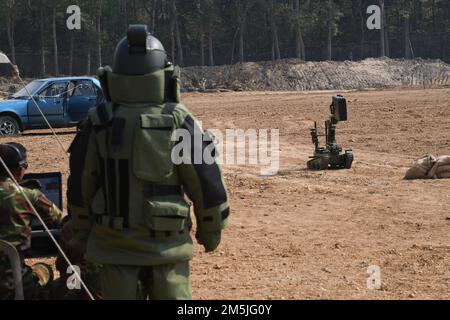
<point>102,74</point>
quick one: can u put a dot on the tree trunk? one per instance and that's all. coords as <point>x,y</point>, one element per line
<point>179,45</point>
<point>273,26</point>
<point>273,48</point>
<point>153,24</point>
<point>88,63</point>
<point>178,34</point>
<point>202,48</point>
<point>241,44</point>
<point>99,40</point>
<point>386,39</point>
<point>382,33</point>
<point>386,34</point>
<point>407,29</point>
<point>299,44</point>
<point>241,16</point>
<point>10,33</point>
<point>55,43</point>
<point>41,25</point>
<point>433,13</point>
<point>330,31</point>
<point>417,14</point>
<point>276,44</point>
<point>363,34</point>
<point>125,11</point>
<point>233,45</point>
<point>71,53</point>
<point>172,41</point>
<point>151,11</point>
<point>210,44</point>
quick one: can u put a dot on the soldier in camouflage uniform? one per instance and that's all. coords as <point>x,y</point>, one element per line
<point>126,195</point>
<point>15,225</point>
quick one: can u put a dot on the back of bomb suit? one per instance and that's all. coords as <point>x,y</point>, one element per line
<point>126,195</point>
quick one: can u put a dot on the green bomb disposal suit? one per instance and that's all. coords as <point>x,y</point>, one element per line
<point>127,198</point>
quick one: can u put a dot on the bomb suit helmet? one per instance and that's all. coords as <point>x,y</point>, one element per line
<point>139,53</point>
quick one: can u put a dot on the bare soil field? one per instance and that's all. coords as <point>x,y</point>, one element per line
<point>312,235</point>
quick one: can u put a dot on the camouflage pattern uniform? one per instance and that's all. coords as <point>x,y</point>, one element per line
<point>15,228</point>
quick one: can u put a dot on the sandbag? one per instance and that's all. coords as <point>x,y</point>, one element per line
<point>430,167</point>
<point>432,173</point>
<point>444,175</point>
<point>440,161</point>
<point>443,169</point>
<point>443,160</point>
<point>421,168</point>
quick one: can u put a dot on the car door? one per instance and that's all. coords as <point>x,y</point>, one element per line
<point>83,97</point>
<point>51,101</point>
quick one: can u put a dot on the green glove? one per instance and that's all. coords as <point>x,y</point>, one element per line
<point>210,240</point>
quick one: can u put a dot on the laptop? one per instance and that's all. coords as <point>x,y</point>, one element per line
<point>51,187</point>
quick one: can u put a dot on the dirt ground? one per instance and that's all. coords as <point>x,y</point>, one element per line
<point>313,235</point>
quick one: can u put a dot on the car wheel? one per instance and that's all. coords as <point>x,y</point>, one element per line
<point>8,126</point>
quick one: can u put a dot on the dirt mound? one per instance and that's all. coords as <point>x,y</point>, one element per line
<point>297,75</point>
<point>8,86</point>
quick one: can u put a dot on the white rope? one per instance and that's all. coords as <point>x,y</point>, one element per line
<point>62,93</point>
<point>49,97</point>
<point>47,229</point>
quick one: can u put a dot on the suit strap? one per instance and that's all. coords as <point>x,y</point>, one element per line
<point>169,108</point>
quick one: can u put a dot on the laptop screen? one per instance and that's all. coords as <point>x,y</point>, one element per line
<point>51,187</point>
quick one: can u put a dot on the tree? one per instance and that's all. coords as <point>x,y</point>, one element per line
<point>150,7</point>
<point>382,30</point>
<point>176,27</point>
<point>406,10</point>
<point>299,44</point>
<point>213,18</point>
<point>201,32</point>
<point>330,30</point>
<point>42,36</point>
<point>241,8</point>
<point>209,18</point>
<point>55,42</point>
<point>276,55</point>
<point>328,9</point>
<point>8,12</point>
<point>363,28</point>
<point>99,32</point>
<point>196,26</point>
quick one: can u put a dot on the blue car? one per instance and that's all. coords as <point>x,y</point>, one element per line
<point>65,102</point>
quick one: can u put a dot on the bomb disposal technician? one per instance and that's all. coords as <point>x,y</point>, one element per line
<point>126,196</point>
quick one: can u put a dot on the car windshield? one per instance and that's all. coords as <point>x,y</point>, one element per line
<point>30,89</point>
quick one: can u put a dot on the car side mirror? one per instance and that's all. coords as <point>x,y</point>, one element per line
<point>36,98</point>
